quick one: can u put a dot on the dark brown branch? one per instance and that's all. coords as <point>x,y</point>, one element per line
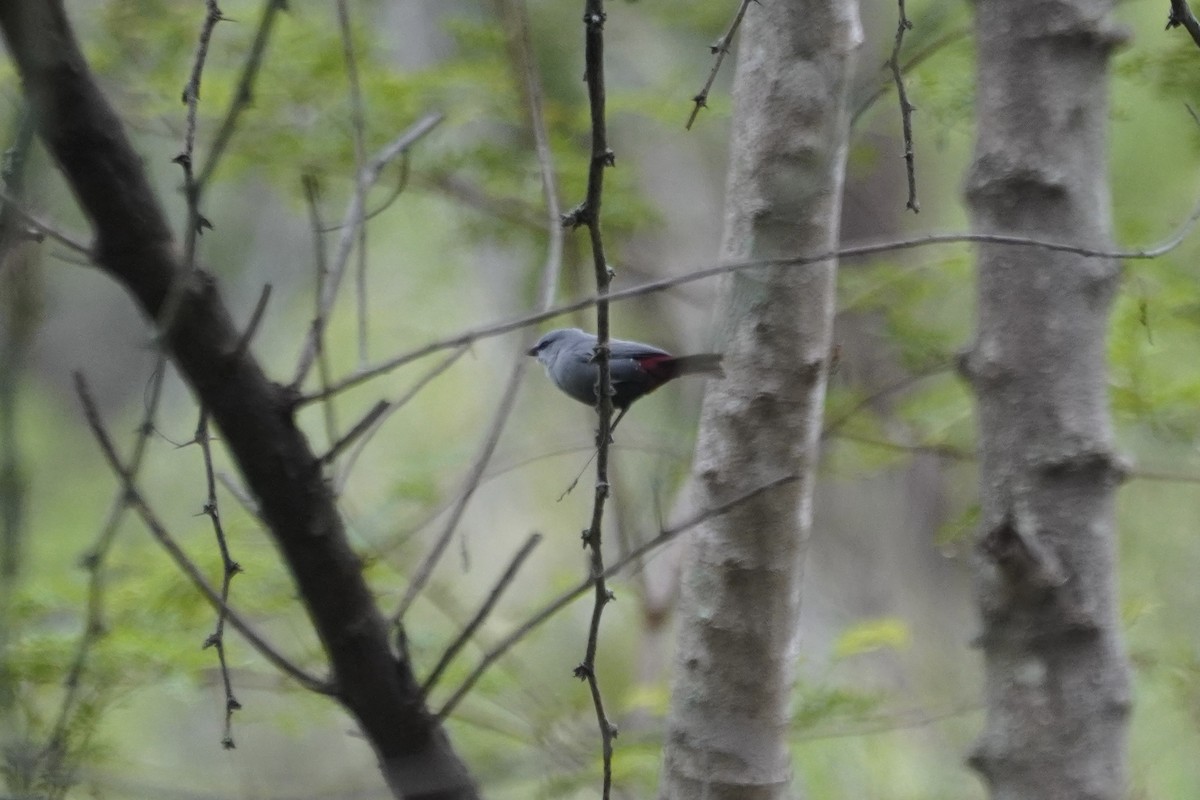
<point>229,568</point>
<point>720,49</point>
<point>134,245</point>
<point>588,214</point>
<point>360,427</point>
<point>906,108</point>
<point>565,599</point>
<point>493,597</point>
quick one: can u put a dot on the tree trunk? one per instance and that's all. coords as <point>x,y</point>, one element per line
<point>735,659</point>
<point>1057,679</point>
<point>134,246</point>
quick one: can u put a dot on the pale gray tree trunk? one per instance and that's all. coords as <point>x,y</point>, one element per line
<point>1057,679</point>
<point>738,641</point>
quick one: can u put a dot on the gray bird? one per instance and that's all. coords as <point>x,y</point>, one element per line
<point>637,369</point>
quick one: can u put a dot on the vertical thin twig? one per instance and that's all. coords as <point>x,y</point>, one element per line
<point>906,109</point>
<point>588,213</point>
<point>353,217</point>
<point>229,568</point>
<point>358,125</point>
<point>312,192</point>
<point>720,49</point>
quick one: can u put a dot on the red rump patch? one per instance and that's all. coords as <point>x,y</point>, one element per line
<point>660,367</point>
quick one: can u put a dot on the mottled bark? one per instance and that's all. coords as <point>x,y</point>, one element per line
<point>1057,679</point>
<point>134,245</point>
<point>735,658</point>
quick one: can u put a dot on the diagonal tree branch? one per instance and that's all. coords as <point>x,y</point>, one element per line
<point>135,247</point>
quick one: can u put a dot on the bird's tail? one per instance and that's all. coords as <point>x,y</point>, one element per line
<point>702,362</point>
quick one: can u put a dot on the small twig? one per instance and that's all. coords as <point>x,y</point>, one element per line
<point>1181,14</point>
<point>930,50</point>
<point>244,92</point>
<point>229,568</point>
<point>719,48</point>
<point>857,251</point>
<point>557,604</point>
<point>256,317</point>
<point>906,109</point>
<point>354,212</point>
<point>393,407</point>
<point>493,597</point>
<point>191,98</point>
<point>358,124</point>
<point>44,228</point>
<point>589,214</point>
<point>312,192</point>
<point>134,499</point>
<point>361,427</point>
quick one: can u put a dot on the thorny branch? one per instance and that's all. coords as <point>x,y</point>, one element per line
<point>720,49</point>
<point>906,109</point>
<point>134,499</point>
<point>229,567</point>
<point>588,214</point>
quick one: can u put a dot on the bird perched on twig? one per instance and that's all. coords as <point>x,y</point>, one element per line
<point>569,356</point>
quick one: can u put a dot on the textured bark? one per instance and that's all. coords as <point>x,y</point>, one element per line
<point>735,658</point>
<point>134,245</point>
<point>1057,679</point>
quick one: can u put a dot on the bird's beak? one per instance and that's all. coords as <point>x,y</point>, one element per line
<point>531,351</point>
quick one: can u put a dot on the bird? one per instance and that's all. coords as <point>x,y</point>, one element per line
<point>568,354</point>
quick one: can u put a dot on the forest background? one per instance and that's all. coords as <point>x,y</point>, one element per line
<point>888,700</point>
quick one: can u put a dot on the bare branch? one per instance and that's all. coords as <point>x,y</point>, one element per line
<point>392,408</point>
<point>354,212</point>
<point>589,214</point>
<point>856,251</point>
<point>358,124</point>
<point>720,49</point>
<point>906,108</point>
<point>137,502</point>
<point>44,228</point>
<point>244,92</point>
<point>526,75</point>
<point>557,604</point>
<point>1181,14</point>
<point>493,597</point>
